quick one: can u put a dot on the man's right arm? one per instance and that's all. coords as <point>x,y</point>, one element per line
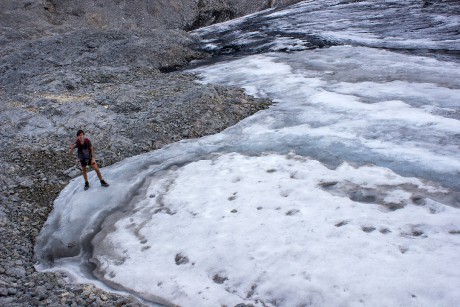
<point>72,147</point>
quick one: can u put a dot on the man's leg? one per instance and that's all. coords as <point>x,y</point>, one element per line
<point>99,175</point>
<point>85,176</point>
<point>98,172</point>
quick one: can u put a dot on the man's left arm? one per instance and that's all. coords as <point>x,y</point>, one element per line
<point>91,148</point>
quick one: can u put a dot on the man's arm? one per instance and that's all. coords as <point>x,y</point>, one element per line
<point>72,147</point>
<point>92,153</point>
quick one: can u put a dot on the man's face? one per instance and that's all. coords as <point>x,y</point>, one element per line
<point>81,137</point>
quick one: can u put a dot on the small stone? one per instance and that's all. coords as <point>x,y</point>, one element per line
<point>403,249</point>
<point>18,272</point>
<point>181,259</point>
<point>219,279</point>
<point>368,228</point>
<point>12,291</point>
<point>292,212</point>
<point>342,223</point>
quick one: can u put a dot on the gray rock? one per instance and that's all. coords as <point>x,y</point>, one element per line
<point>6,301</point>
<point>16,271</point>
<point>12,291</point>
<point>3,291</point>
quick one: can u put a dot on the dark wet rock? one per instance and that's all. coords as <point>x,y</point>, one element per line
<point>385,230</point>
<point>340,224</point>
<point>379,195</point>
<point>418,200</point>
<point>368,229</point>
<point>218,279</point>
<point>328,185</point>
<point>181,259</point>
<point>292,212</point>
<point>394,206</point>
<point>362,196</point>
<point>417,233</point>
<point>414,232</point>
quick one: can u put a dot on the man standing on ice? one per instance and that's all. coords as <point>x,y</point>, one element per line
<point>86,157</point>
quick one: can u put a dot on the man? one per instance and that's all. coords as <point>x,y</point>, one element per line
<point>86,157</point>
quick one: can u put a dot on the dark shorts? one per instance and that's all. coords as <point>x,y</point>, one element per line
<point>86,162</point>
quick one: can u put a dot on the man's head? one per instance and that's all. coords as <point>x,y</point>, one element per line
<point>81,135</point>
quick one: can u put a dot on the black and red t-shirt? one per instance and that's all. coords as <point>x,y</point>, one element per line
<point>84,150</point>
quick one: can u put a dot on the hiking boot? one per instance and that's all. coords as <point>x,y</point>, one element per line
<point>104,184</point>
<point>86,185</point>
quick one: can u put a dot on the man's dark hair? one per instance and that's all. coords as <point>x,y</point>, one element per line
<point>80,132</point>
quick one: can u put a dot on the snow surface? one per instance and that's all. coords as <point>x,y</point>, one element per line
<point>264,230</point>
<point>343,193</point>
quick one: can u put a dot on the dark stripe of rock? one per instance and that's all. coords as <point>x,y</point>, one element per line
<point>107,79</point>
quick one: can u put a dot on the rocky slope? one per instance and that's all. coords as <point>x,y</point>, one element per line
<point>106,67</point>
<point>33,18</point>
